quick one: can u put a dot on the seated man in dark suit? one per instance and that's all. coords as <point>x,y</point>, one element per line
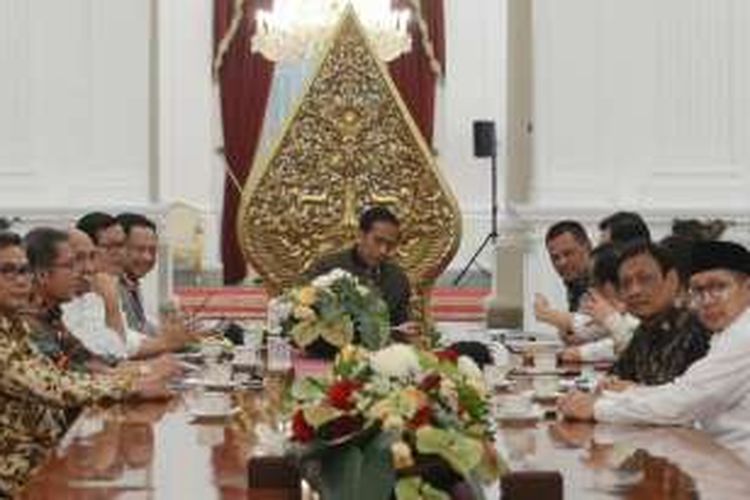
<point>370,260</point>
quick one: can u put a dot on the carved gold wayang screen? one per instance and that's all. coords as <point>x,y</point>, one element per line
<point>350,144</point>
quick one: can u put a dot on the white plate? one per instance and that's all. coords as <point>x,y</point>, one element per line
<point>197,413</point>
<point>501,384</point>
<point>548,397</point>
<point>211,384</point>
<point>536,413</point>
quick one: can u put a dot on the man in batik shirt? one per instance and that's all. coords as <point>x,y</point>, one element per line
<point>669,338</point>
<point>55,271</point>
<point>34,392</point>
<point>141,245</point>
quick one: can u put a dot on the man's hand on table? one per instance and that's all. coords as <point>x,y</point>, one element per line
<point>577,406</point>
<point>571,355</point>
<point>573,434</point>
<point>149,388</point>
<point>409,332</point>
<point>615,384</point>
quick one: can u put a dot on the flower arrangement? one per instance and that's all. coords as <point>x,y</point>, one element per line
<point>385,422</point>
<point>334,308</point>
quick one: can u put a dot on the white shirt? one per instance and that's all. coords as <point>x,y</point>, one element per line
<point>617,331</point>
<point>713,393</point>
<point>85,318</point>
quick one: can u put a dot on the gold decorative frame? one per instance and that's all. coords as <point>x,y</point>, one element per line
<point>350,143</point>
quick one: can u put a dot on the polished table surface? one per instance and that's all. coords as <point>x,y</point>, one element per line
<point>157,450</point>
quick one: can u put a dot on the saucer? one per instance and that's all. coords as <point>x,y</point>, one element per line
<point>530,371</point>
<point>532,415</point>
<point>211,384</point>
<point>548,398</point>
<point>200,414</point>
<point>500,384</point>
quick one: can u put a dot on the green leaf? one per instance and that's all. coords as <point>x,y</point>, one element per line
<point>338,333</point>
<point>341,472</point>
<point>413,488</point>
<point>305,333</point>
<point>378,475</point>
<point>320,414</point>
<point>307,389</point>
<point>462,453</point>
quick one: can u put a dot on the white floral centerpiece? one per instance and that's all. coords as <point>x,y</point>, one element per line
<point>399,422</point>
<point>334,308</point>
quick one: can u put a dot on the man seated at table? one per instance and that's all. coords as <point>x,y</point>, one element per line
<point>54,271</point>
<point>715,391</point>
<point>109,240</point>
<point>622,228</point>
<point>670,338</point>
<point>58,272</point>
<point>85,315</point>
<point>370,260</point>
<point>602,329</point>
<point>569,247</point>
<point>141,245</point>
<point>34,392</point>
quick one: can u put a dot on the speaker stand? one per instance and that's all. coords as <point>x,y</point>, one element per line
<point>493,234</point>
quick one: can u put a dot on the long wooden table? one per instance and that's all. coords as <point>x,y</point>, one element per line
<point>156,451</point>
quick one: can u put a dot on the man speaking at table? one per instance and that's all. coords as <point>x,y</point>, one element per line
<point>714,393</point>
<point>371,261</point>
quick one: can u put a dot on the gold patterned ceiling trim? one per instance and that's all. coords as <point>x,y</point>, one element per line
<point>350,143</point>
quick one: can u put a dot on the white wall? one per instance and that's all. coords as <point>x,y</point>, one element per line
<point>642,103</point>
<point>474,89</point>
<point>73,102</point>
<point>190,170</point>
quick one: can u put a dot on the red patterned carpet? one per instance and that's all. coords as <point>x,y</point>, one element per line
<point>447,304</point>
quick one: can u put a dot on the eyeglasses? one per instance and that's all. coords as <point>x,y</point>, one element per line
<point>117,245</point>
<point>13,270</point>
<point>714,292</point>
<point>642,280</point>
<point>68,266</point>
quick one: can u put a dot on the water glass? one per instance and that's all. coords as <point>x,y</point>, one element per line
<point>279,353</point>
<point>253,337</point>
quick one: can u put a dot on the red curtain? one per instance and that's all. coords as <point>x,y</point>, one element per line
<point>244,82</point>
<point>413,72</point>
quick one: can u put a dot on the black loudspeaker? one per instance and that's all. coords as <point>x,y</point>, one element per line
<point>485,144</point>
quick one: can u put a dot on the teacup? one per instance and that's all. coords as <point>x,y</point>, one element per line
<point>546,386</point>
<point>515,404</point>
<point>213,403</point>
<point>545,359</point>
<point>246,355</point>
<point>211,350</point>
<point>494,375</point>
<point>219,373</point>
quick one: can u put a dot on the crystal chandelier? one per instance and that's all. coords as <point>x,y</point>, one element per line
<point>298,29</point>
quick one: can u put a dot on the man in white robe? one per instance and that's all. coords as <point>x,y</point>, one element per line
<point>714,393</point>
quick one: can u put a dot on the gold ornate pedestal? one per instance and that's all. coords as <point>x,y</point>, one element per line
<point>350,144</point>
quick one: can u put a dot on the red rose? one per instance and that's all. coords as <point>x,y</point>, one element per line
<point>340,394</point>
<point>447,355</point>
<point>430,382</point>
<point>343,426</point>
<point>301,430</point>
<point>422,417</point>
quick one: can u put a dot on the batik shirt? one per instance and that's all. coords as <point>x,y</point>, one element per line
<point>34,394</point>
<point>53,339</point>
<point>662,348</point>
